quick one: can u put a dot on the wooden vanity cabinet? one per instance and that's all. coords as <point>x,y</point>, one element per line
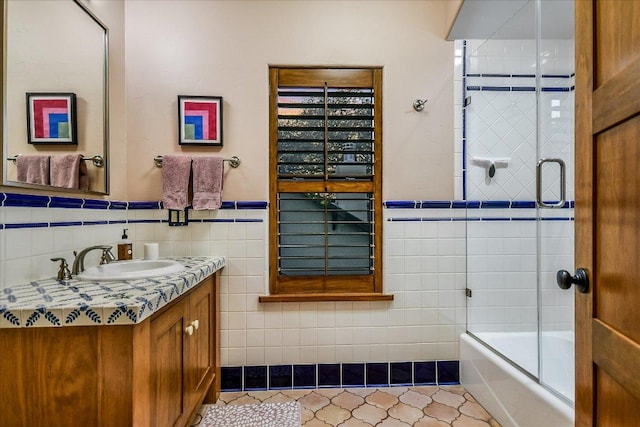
<point>152,374</point>
<point>182,363</point>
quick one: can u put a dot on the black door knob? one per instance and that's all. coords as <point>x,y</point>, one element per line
<point>581,280</point>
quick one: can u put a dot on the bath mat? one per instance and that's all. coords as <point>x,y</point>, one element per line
<point>286,414</point>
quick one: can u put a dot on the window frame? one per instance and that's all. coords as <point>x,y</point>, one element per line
<point>325,287</point>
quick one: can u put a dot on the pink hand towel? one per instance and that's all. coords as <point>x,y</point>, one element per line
<point>175,181</point>
<point>33,169</point>
<point>65,170</point>
<point>208,175</point>
<point>83,180</point>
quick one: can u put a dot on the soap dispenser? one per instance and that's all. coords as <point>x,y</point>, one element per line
<point>125,247</point>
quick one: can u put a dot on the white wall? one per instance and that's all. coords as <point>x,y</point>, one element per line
<point>224,48</point>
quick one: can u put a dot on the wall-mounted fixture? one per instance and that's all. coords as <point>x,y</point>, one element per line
<point>234,161</point>
<point>491,163</point>
<point>97,160</point>
<point>178,218</point>
<point>418,104</point>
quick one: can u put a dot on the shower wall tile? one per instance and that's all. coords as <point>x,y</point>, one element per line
<point>501,272</point>
<point>501,119</point>
<point>501,123</point>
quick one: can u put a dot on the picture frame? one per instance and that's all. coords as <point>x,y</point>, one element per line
<point>51,118</point>
<point>200,120</point>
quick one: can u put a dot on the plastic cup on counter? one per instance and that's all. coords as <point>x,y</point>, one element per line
<point>151,251</point>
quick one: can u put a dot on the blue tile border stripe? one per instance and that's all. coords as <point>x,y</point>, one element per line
<point>544,76</point>
<point>25,200</point>
<point>472,207</point>
<point>118,205</point>
<point>507,218</point>
<point>9,226</point>
<point>95,204</point>
<point>26,225</point>
<point>464,119</point>
<point>518,89</point>
<point>19,200</point>
<point>143,205</point>
<point>468,204</point>
<point>338,375</point>
<point>35,201</point>
<point>401,204</point>
<point>65,202</point>
<point>41,201</point>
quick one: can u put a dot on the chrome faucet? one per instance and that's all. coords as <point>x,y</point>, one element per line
<point>78,262</point>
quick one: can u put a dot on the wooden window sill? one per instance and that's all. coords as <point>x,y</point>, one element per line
<point>326,297</point>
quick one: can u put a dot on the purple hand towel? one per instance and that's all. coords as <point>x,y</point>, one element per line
<point>175,181</point>
<point>208,175</point>
<point>33,169</point>
<point>65,170</point>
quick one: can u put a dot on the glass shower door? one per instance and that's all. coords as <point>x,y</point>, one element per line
<point>556,193</point>
<point>518,174</point>
<point>500,118</point>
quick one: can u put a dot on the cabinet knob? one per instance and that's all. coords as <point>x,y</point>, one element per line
<point>189,330</point>
<point>195,324</point>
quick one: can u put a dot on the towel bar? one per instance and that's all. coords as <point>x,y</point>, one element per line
<point>97,160</point>
<point>234,161</point>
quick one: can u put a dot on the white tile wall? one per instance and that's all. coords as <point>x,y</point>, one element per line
<point>457,111</point>
<point>424,270</point>
<point>501,256</point>
<point>425,267</point>
<point>26,253</point>
<point>503,124</point>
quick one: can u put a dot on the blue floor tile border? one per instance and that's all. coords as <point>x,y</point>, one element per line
<point>339,375</point>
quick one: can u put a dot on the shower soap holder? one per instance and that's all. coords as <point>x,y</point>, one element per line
<point>491,163</point>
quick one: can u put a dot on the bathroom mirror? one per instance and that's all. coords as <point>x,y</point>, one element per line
<point>55,47</point>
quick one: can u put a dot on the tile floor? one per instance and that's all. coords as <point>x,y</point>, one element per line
<point>425,406</point>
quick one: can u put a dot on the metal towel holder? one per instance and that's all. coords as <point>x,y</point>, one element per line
<point>234,161</point>
<point>97,160</point>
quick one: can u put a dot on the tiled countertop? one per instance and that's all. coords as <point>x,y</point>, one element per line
<point>56,303</point>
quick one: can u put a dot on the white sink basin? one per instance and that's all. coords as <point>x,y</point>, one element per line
<point>129,270</point>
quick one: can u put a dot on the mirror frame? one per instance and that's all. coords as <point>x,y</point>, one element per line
<point>105,119</point>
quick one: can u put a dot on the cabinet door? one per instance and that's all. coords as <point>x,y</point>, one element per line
<point>201,343</point>
<point>168,339</point>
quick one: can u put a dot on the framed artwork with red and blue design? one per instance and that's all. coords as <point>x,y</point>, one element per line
<point>200,120</point>
<point>51,118</point>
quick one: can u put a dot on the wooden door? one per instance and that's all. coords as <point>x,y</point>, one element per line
<point>167,366</point>
<point>608,212</point>
<point>201,363</point>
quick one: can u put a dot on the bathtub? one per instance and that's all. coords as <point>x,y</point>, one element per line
<point>513,398</point>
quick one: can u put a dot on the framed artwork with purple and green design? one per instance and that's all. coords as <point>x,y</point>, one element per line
<point>200,120</point>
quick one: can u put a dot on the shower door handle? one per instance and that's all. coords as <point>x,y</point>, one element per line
<point>581,280</point>
<point>563,183</point>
